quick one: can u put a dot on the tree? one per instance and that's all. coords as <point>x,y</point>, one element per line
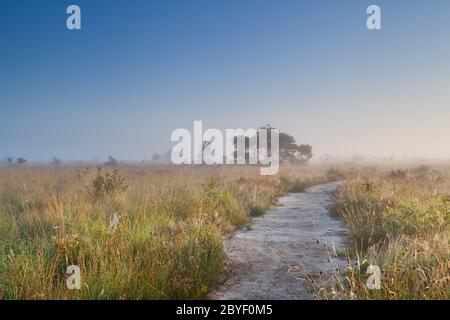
<point>290,152</point>
<point>10,160</point>
<point>156,157</point>
<point>21,160</point>
<point>56,161</point>
<point>111,162</point>
<point>304,153</point>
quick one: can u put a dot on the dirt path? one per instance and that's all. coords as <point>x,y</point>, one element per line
<point>264,259</point>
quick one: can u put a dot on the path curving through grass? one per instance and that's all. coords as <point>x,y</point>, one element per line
<point>269,259</point>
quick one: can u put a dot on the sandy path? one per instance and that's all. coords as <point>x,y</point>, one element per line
<point>263,258</point>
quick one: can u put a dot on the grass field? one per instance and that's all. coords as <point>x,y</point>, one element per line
<point>400,221</point>
<point>167,244</point>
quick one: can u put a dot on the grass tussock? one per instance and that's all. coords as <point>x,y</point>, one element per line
<point>400,222</point>
<point>135,232</point>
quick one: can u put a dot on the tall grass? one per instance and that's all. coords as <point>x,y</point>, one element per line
<point>401,223</point>
<point>166,245</point>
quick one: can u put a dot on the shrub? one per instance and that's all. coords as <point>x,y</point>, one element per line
<point>107,184</point>
<point>293,185</point>
<point>257,210</point>
<point>111,162</point>
<point>298,186</point>
<point>397,174</point>
<point>334,175</point>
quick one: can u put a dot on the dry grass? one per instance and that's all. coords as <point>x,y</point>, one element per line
<point>400,221</point>
<point>167,245</point>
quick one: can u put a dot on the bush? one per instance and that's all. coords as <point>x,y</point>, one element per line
<point>397,174</point>
<point>334,175</point>
<point>111,162</point>
<point>298,186</point>
<point>108,184</point>
<point>292,185</point>
<point>257,210</point>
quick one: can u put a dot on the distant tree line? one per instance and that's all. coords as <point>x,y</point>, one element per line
<point>289,150</point>
<point>19,160</point>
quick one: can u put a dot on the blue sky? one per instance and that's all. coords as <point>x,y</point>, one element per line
<point>140,69</point>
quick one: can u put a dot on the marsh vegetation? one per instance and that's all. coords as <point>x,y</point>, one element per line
<point>167,243</point>
<point>400,221</point>
<point>156,232</point>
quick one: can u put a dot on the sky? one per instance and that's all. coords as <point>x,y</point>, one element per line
<point>137,70</point>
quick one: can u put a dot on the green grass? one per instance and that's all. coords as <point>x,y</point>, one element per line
<point>257,210</point>
<point>167,245</point>
<point>401,223</point>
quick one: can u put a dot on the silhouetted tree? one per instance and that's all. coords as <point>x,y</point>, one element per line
<point>290,152</point>
<point>21,160</point>
<point>111,162</point>
<point>56,161</point>
<point>304,153</point>
<point>10,160</point>
<point>156,157</point>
